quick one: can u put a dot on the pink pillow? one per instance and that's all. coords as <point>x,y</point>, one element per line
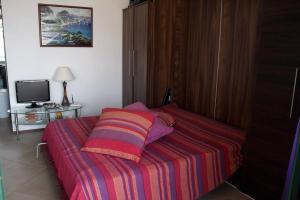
<point>139,106</point>
<point>159,128</point>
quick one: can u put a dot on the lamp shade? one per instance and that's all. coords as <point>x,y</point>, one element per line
<point>63,74</point>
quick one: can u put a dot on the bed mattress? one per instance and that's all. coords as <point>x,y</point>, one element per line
<point>193,160</point>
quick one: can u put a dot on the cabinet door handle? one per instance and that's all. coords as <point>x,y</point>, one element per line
<point>133,63</point>
<point>129,63</point>
<point>294,90</point>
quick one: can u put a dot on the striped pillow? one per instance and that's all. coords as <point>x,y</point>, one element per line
<point>120,133</point>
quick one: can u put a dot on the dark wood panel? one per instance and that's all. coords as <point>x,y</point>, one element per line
<point>127,56</point>
<point>270,77</point>
<point>179,55</point>
<point>237,53</point>
<point>140,53</point>
<point>202,55</point>
<point>169,50</point>
<point>166,50</point>
<point>265,170</point>
<point>272,130</point>
<point>160,70</point>
<point>151,54</point>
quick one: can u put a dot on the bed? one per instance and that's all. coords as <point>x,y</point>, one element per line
<point>197,157</point>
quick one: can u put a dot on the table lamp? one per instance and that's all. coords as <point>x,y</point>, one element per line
<point>64,74</point>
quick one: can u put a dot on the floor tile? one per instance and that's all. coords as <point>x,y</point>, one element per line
<point>225,192</point>
<point>19,175</point>
<point>43,185</point>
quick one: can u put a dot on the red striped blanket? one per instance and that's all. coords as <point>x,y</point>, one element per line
<point>197,157</point>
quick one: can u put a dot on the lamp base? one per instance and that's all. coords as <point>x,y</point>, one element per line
<point>65,101</point>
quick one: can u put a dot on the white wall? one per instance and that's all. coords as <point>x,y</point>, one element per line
<point>98,70</point>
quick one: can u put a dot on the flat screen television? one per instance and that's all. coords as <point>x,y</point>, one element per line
<point>32,91</point>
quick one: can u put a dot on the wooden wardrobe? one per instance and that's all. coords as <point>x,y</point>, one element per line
<point>203,50</point>
<point>276,102</point>
<point>220,59</point>
<point>148,43</point>
<point>135,53</point>
<point>234,61</point>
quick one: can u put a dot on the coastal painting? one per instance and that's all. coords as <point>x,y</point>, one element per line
<point>65,26</point>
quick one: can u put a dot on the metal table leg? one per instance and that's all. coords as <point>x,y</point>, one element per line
<point>17,125</point>
<point>38,146</point>
<point>77,112</point>
<point>48,117</point>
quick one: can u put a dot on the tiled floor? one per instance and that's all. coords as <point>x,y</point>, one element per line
<point>26,178</point>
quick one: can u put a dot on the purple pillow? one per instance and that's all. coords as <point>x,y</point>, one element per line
<point>158,130</point>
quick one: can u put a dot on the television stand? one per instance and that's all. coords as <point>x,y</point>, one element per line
<point>41,116</point>
<point>34,105</point>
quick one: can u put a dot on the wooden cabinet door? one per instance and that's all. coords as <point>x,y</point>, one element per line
<point>202,56</point>
<point>160,32</point>
<point>276,100</point>
<point>140,53</point>
<point>127,56</point>
<point>236,61</point>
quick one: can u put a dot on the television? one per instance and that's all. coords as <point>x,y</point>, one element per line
<point>32,91</point>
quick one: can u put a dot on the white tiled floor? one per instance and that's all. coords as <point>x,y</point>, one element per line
<point>26,178</point>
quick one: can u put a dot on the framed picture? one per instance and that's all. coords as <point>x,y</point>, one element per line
<point>65,26</point>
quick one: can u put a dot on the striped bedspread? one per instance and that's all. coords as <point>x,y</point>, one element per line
<point>197,157</point>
